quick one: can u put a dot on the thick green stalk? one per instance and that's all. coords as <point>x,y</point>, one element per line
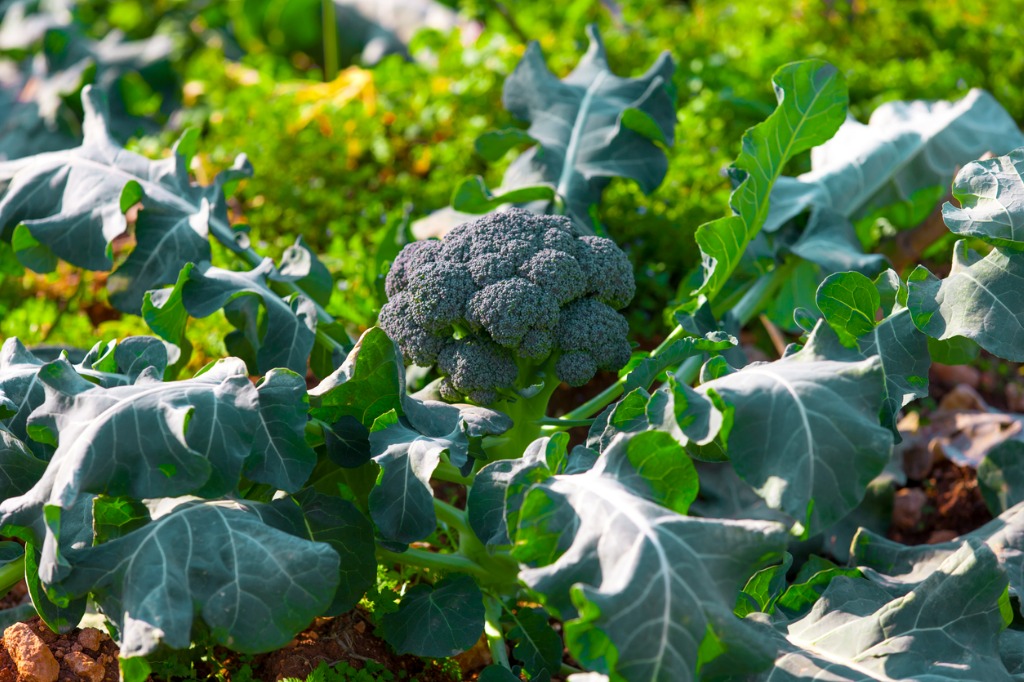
<point>454,517</point>
<point>11,574</point>
<point>445,563</point>
<point>495,635</point>
<point>758,296</point>
<point>528,416</point>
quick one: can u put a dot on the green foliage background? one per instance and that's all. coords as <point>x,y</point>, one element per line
<point>394,152</point>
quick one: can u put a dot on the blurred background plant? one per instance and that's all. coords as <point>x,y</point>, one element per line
<point>359,130</point>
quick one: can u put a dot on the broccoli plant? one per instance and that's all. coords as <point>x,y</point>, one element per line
<point>508,307</point>
<point>214,507</point>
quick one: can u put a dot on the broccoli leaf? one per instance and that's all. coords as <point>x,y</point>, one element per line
<point>982,299</point>
<point>19,468</point>
<point>280,455</point>
<point>991,196</point>
<point>900,347</point>
<point>811,440</point>
<point>20,385</point>
<point>199,558</point>
<point>640,587</point>
<point>368,384</point>
<point>341,525</point>
<point>437,620</point>
<point>589,127</point>
<point>904,149</point>
<point>900,568</point>
<point>150,439</point>
<point>280,335</point>
<point>948,626</point>
<point>71,205</point>
<point>812,100</point>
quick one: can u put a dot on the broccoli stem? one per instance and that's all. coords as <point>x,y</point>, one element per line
<point>528,417</point>
<point>445,563</point>
<point>495,634</point>
<point>11,574</point>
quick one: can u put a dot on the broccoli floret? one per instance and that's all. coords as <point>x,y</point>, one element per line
<point>609,274</point>
<point>439,294</point>
<point>557,272</point>
<point>509,309</point>
<point>576,367</point>
<point>477,367</point>
<point>411,257</point>
<point>591,327</point>
<point>506,301</point>
<point>417,344</point>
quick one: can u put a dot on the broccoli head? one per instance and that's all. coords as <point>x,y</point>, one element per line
<point>505,295</point>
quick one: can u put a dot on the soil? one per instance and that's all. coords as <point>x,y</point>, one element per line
<point>939,508</point>
<point>348,638</point>
<point>96,646</point>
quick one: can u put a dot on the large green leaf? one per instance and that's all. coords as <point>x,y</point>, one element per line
<point>280,455</point>
<point>1001,476</point>
<point>900,568</point>
<point>118,363</point>
<point>812,100</point>
<point>252,585</point>
<point>905,148</point>
<point>402,502</point>
<point>368,384</point>
<point>641,588</point>
<point>409,449</point>
<point>991,196</point>
<point>20,385</point>
<point>982,299</point>
<point>589,127</point>
<point>270,331</point>
<point>498,488</point>
<point>947,628</point>
<point>437,620</point>
<point>807,434</point>
<point>71,204</point>
<point>341,525</point>
<point>19,468</point>
<point>147,440</point>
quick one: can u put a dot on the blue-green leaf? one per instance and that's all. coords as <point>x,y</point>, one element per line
<point>640,587</point>
<point>70,205</point>
<point>812,100</point>
<point>807,433</point>
<point>198,559</point>
<point>437,621</point>
<point>982,299</point>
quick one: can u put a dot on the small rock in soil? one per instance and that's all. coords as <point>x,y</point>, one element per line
<point>908,507</point>
<point>31,656</point>
<point>90,638</point>
<point>84,667</point>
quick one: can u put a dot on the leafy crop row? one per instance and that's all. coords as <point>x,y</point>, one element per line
<point>214,507</point>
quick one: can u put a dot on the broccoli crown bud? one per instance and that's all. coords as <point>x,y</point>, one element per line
<point>507,289</point>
